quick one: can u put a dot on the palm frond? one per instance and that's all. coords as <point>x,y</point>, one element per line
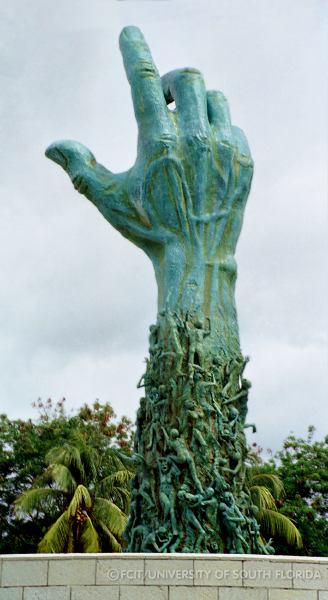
<point>68,455</point>
<point>120,477</point>
<point>57,537</point>
<point>262,497</point>
<point>271,482</point>
<point>37,499</point>
<point>273,523</point>
<point>89,456</point>
<point>62,476</point>
<point>89,537</point>
<point>111,515</point>
<point>116,487</point>
<point>118,495</point>
<point>80,501</point>
<point>122,498</point>
<point>117,460</point>
<point>114,544</point>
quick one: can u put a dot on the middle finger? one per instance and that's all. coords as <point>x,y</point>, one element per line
<point>186,87</point>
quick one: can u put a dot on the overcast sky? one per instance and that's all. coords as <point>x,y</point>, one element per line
<point>76,298</point>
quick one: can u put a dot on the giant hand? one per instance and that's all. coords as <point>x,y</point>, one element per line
<point>183,200</point>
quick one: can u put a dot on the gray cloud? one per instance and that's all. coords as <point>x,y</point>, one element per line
<point>76,298</point>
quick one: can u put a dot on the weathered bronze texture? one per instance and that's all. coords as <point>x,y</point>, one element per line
<point>182,203</point>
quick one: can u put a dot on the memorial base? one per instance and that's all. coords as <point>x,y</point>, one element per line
<point>162,577</point>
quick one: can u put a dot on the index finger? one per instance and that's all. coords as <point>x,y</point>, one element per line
<point>149,103</point>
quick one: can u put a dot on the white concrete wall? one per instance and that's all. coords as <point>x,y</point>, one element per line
<point>162,577</point>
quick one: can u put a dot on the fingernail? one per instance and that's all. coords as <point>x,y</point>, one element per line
<point>131,32</point>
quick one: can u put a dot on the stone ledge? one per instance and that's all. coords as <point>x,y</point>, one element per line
<point>173,556</point>
<point>162,577</point>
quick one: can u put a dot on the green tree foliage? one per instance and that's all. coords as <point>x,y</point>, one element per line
<point>302,465</point>
<point>23,449</point>
<point>89,489</point>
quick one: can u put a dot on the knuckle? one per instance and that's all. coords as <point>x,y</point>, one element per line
<point>226,145</point>
<point>228,265</point>
<point>146,69</point>
<point>245,161</point>
<point>226,150</point>
<point>199,142</point>
<point>217,96</point>
<point>162,142</point>
<point>80,184</point>
<point>167,139</point>
<point>189,71</point>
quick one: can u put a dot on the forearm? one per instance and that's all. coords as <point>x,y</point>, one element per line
<point>189,285</point>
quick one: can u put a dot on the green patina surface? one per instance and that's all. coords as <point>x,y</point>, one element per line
<point>182,203</point>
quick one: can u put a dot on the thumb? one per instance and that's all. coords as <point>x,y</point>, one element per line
<point>88,177</point>
<point>72,156</point>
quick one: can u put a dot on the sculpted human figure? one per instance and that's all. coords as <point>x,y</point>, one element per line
<point>202,437</point>
<point>218,369</point>
<point>138,535</point>
<point>168,471</point>
<point>172,346</point>
<point>146,492</point>
<point>268,547</point>
<point>219,418</point>
<point>189,414</point>
<point>219,483</point>
<point>154,429</point>
<point>156,540</point>
<point>200,387</point>
<point>193,422</point>
<point>232,519</point>
<point>182,455</point>
<point>241,398</point>
<point>134,513</point>
<point>232,421</point>
<point>237,466</point>
<point>141,415</point>
<point>146,380</point>
<point>211,504</point>
<point>196,336</point>
<point>153,339</point>
<point>189,502</point>
<point>198,436</point>
<point>173,389</point>
<point>233,375</point>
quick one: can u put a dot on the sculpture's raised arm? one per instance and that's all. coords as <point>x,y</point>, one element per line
<point>183,200</point>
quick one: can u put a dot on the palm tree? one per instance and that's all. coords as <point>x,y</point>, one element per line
<point>90,493</point>
<point>267,491</point>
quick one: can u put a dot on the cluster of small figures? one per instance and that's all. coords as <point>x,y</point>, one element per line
<point>189,492</point>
